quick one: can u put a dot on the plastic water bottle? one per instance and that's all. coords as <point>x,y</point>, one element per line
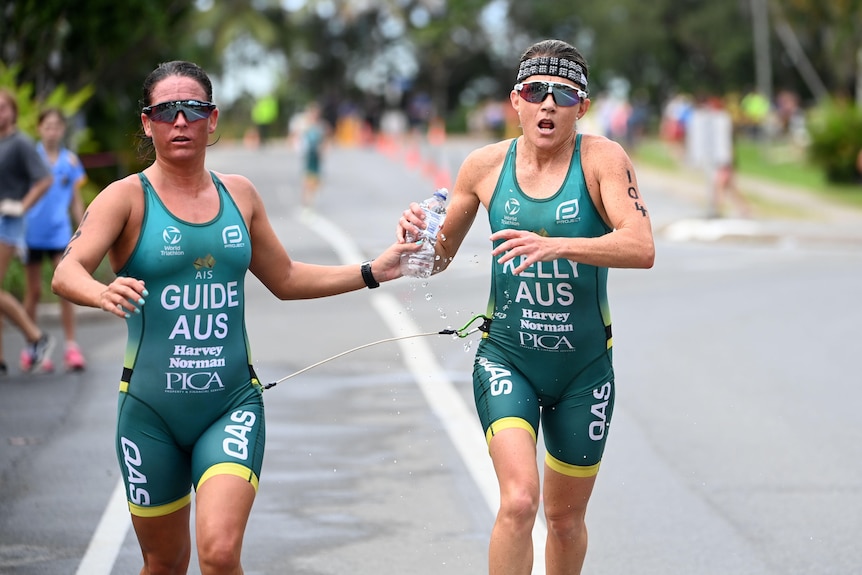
<point>420,264</point>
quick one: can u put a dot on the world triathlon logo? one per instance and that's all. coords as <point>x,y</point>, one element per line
<point>567,212</point>
<point>172,235</point>
<point>512,206</point>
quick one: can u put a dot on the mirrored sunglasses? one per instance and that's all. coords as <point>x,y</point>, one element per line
<point>193,110</point>
<point>564,95</point>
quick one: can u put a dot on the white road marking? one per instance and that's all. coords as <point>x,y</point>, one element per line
<point>109,536</point>
<point>460,422</point>
<point>457,419</point>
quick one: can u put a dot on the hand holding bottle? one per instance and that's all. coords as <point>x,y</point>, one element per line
<point>420,264</point>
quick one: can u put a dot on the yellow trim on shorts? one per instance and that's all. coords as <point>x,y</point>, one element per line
<point>508,423</point>
<point>571,470</point>
<point>124,387</point>
<point>610,343</point>
<point>229,469</point>
<point>160,510</point>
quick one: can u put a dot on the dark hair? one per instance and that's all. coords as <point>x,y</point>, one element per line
<point>176,68</point>
<point>555,49</point>
<point>51,112</point>
<point>166,70</point>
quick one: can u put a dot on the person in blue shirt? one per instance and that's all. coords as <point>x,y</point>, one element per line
<point>49,227</point>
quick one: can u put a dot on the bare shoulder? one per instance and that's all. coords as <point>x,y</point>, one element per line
<point>240,188</point>
<point>236,182</point>
<point>124,192</point>
<point>600,149</point>
<point>605,161</point>
<point>483,165</point>
<point>487,156</point>
<point>245,196</point>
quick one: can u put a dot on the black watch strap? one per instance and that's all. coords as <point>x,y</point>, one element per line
<point>367,276</point>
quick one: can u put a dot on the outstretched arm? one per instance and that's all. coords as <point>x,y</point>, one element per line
<point>290,279</point>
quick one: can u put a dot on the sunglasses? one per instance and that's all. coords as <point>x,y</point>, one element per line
<point>193,110</point>
<point>564,95</point>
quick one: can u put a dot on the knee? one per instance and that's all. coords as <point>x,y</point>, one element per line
<point>219,557</point>
<point>520,506</point>
<point>160,565</point>
<point>567,524</point>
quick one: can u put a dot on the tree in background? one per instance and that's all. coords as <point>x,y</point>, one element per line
<point>101,43</point>
<point>381,53</point>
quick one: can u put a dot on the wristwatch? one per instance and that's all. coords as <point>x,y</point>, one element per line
<point>367,276</point>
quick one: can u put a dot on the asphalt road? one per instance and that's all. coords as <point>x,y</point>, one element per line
<point>734,447</point>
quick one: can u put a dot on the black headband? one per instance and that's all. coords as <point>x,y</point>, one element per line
<point>552,66</point>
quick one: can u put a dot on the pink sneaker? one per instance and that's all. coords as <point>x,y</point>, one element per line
<point>26,360</point>
<point>47,366</point>
<point>73,358</point>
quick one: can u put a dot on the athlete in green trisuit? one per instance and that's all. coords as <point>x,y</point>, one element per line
<point>180,239</point>
<point>563,208</point>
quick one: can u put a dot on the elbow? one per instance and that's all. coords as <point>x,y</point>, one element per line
<point>646,257</point>
<point>649,259</point>
<point>56,286</point>
<point>59,287</point>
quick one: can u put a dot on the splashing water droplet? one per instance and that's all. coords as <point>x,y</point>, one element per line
<point>428,296</point>
<point>442,313</point>
<point>467,346</point>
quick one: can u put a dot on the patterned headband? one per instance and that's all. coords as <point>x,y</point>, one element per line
<point>552,66</point>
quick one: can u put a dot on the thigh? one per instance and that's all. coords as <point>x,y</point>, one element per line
<point>222,508</point>
<point>156,471</point>
<point>233,444</point>
<point>165,540</point>
<point>566,496</point>
<point>504,397</point>
<point>576,430</point>
<point>7,252</point>
<point>12,241</point>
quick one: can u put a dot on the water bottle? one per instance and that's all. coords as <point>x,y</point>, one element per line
<point>420,264</point>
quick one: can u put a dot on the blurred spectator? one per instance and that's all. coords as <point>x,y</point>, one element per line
<point>263,115</point>
<point>49,227</point>
<point>755,112</point>
<point>310,134</point>
<point>637,120</point>
<point>724,184</point>
<point>787,109</point>
<point>675,116</point>
<point>24,178</point>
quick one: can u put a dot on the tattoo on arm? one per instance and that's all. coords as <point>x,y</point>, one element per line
<point>74,237</point>
<point>633,194</point>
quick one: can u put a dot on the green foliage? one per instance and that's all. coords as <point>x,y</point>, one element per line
<point>836,140</point>
<point>29,106</point>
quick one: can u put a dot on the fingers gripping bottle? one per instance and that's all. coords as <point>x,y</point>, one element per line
<point>420,264</point>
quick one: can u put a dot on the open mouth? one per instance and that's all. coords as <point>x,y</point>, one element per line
<point>546,125</point>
